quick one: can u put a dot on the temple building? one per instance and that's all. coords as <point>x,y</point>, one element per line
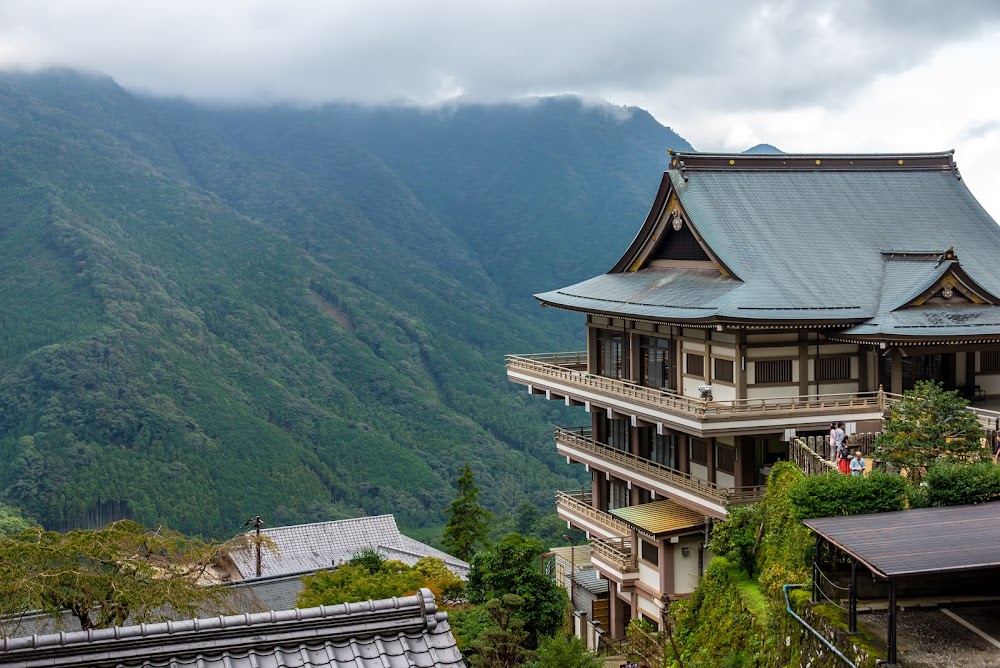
<point>764,297</point>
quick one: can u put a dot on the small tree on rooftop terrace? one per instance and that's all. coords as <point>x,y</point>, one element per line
<point>929,425</point>
<point>468,522</point>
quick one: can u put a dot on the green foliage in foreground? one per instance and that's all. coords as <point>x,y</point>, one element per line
<point>736,538</point>
<point>512,566</point>
<point>929,425</point>
<point>368,576</point>
<point>561,651</point>
<point>107,576</point>
<point>834,494</point>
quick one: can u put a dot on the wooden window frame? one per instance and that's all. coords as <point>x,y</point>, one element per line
<point>732,370</point>
<point>831,369</point>
<point>687,365</point>
<point>994,357</point>
<point>720,460</point>
<point>692,442</point>
<point>786,360</point>
<point>649,549</point>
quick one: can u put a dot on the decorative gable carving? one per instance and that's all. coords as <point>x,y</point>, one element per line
<point>675,242</point>
<point>954,286</point>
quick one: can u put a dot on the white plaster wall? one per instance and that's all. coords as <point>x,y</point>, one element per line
<point>989,383</point>
<point>692,347</point>
<point>723,351</point>
<point>686,568</point>
<point>699,471</point>
<point>694,333</point>
<point>722,392</point>
<point>647,607</point>
<point>772,391</point>
<point>723,479</point>
<point>835,388</point>
<point>689,387</point>
<point>723,336</point>
<point>960,369</point>
<point>650,576</point>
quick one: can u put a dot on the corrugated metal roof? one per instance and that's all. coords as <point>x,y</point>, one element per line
<point>806,245</point>
<point>393,633</point>
<point>926,540</point>
<point>661,517</point>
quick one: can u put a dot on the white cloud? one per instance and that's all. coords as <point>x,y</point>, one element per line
<point>840,75</point>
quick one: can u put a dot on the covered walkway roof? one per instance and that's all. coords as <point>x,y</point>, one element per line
<point>911,542</point>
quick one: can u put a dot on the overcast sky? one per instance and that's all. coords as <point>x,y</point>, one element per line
<point>805,76</point>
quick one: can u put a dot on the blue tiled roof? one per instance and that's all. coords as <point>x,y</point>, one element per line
<point>808,245</point>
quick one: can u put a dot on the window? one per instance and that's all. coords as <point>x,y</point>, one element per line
<point>655,362</point>
<point>651,552</point>
<point>723,370</point>
<point>833,368</point>
<point>695,365</point>
<point>653,624</point>
<point>618,434</point>
<point>699,452</point>
<point>989,361</point>
<point>773,371</point>
<point>609,353</point>
<point>617,494</point>
<point>725,459</point>
<point>663,450</point>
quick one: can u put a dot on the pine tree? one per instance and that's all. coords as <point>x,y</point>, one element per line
<point>468,522</point>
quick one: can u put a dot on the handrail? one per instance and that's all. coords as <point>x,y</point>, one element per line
<point>581,439</point>
<point>808,460</point>
<point>616,551</point>
<point>572,370</point>
<point>576,502</point>
<point>805,625</point>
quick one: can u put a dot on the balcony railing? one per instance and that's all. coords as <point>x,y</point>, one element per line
<point>570,369</point>
<point>802,453</point>
<point>581,439</point>
<point>579,503</point>
<point>616,552</point>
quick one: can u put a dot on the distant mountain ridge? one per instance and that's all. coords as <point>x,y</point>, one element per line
<point>211,314</point>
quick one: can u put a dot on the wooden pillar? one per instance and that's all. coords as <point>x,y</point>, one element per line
<point>599,489</point>
<point>710,457</point>
<point>739,366</point>
<point>803,364</point>
<point>970,373</point>
<point>635,357</point>
<point>863,370</point>
<point>896,372</point>
<point>683,451</point>
<point>667,566</point>
<point>891,641</point>
<point>592,350</point>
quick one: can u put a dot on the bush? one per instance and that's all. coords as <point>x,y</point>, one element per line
<point>833,494</point>
<point>958,484</point>
<point>736,538</point>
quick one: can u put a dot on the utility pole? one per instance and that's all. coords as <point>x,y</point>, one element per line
<point>258,523</point>
<point>572,570</point>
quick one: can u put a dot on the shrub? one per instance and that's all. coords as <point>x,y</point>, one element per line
<point>736,538</point>
<point>958,484</point>
<point>833,494</point>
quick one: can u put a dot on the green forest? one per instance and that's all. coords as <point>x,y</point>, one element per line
<point>299,313</point>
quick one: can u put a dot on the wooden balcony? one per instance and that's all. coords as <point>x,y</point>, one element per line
<point>578,444</point>
<point>615,558</point>
<point>576,508</point>
<point>564,375</point>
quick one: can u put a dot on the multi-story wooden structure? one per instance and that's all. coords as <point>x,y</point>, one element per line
<point>764,296</point>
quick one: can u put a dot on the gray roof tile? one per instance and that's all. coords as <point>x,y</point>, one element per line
<point>310,547</point>
<point>407,631</point>
<point>807,245</point>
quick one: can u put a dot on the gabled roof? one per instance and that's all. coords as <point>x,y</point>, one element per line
<point>310,547</point>
<point>802,239</point>
<point>398,632</point>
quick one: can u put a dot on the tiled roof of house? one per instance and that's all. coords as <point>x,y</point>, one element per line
<point>391,633</point>
<point>310,547</point>
<point>805,240</point>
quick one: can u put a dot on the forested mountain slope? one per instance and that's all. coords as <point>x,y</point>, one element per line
<point>208,314</point>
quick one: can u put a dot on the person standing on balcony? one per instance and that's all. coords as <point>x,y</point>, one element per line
<point>857,464</point>
<point>843,455</point>
<point>838,436</point>
<point>834,452</point>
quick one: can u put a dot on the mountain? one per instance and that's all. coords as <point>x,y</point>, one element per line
<point>299,313</point>
<point>763,148</point>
